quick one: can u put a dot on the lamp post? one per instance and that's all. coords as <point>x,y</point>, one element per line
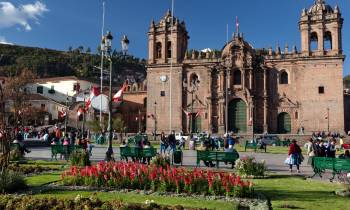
<point>107,40</point>
<point>107,44</point>
<point>125,44</point>
<point>66,116</point>
<point>328,119</point>
<point>155,121</point>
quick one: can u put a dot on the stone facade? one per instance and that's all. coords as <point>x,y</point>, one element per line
<point>242,89</point>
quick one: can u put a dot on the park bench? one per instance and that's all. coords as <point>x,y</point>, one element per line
<point>136,153</point>
<point>283,143</point>
<point>336,165</point>
<point>63,150</point>
<point>253,145</point>
<point>215,156</point>
<point>250,145</point>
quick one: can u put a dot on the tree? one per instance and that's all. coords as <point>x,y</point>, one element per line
<point>88,50</point>
<point>14,91</point>
<point>346,81</point>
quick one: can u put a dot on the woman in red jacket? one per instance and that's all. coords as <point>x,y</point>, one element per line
<point>295,156</point>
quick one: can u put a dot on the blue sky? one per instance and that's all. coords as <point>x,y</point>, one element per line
<point>58,24</point>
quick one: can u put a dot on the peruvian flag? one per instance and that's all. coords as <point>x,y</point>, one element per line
<point>62,114</point>
<point>95,91</point>
<point>199,113</point>
<point>118,97</point>
<point>80,111</point>
<point>186,113</point>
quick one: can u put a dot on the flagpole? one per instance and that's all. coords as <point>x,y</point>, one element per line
<point>102,56</point>
<point>227,78</point>
<point>171,66</point>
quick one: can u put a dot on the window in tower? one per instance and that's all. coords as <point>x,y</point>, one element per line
<point>284,78</point>
<point>328,41</point>
<point>313,41</point>
<point>169,50</point>
<point>237,77</point>
<point>158,50</point>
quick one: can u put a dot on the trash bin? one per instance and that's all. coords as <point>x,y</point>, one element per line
<point>177,157</point>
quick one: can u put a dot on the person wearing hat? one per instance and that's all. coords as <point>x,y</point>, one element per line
<point>294,156</point>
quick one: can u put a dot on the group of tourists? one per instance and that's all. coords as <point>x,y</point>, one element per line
<point>320,148</point>
<point>168,143</point>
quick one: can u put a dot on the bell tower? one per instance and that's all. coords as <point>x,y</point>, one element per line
<point>321,30</point>
<point>167,40</point>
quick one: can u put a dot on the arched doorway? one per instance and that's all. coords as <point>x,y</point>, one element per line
<point>237,116</point>
<point>284,123</point>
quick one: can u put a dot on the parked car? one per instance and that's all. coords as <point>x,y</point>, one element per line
<point>268,139</point>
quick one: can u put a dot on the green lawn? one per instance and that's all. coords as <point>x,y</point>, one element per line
<point>39,180</point>
<point>137,198</point>
<point>296,193</point>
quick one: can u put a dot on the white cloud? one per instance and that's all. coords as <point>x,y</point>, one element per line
<point>4,41</point>
<point>10,15</point>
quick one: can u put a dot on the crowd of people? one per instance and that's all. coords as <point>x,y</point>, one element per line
<point>56,136</point>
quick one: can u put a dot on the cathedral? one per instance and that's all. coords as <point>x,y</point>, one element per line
<point>243,90</point>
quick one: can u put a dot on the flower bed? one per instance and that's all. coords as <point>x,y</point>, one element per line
<point>28,202</point>
<point>121,175</point>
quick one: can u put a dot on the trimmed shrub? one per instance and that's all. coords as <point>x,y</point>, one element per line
<point>11,181</point>
<point>80,158</point>
<point>248,166</point>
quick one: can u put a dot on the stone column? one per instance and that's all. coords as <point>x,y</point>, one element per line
<point>251,79</point>
<point>222,80</point>
<point>229,79</point>
<point>209,115</point>
<point>243,78</point>
<point>265,101</point>
<point>221,116</point>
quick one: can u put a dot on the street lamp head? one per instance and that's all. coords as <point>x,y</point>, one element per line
<point>125,44</point>
<point>108,40</point>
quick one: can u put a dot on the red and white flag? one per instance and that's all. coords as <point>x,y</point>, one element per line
<point>95,91</point>
<point>186,113</point>
<point>80,111</point>
<point>199,113</point>
<point>119,95</point>
<point>62,114</point>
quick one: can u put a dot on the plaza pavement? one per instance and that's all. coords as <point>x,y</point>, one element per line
<point>274,162</point>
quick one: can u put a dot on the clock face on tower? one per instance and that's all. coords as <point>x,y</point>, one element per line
<point>163,78</point>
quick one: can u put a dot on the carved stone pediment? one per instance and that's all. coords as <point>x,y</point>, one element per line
<point>285,102</point>
<point>197,104</point>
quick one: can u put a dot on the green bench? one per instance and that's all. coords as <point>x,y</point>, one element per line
<point>137,153</point>
<point>250,145</point>
<point>63,150</point>
<point>336,165</point>
<point>284,143</point>
<point>215,156</point>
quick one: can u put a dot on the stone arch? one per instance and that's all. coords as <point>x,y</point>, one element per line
<point>237,77</point>
<point>284,77</point>
<point>284,123</point>
<point>169,49</point>
<point>193,77</point>
<point>327,42</point>
<point>314,41</point>
<point>134,87</point>
<point>158,50</point>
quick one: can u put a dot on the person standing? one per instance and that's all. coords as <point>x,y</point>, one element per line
<point>172,141</point>
<point>163,143</point>
<point>295,156</point>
